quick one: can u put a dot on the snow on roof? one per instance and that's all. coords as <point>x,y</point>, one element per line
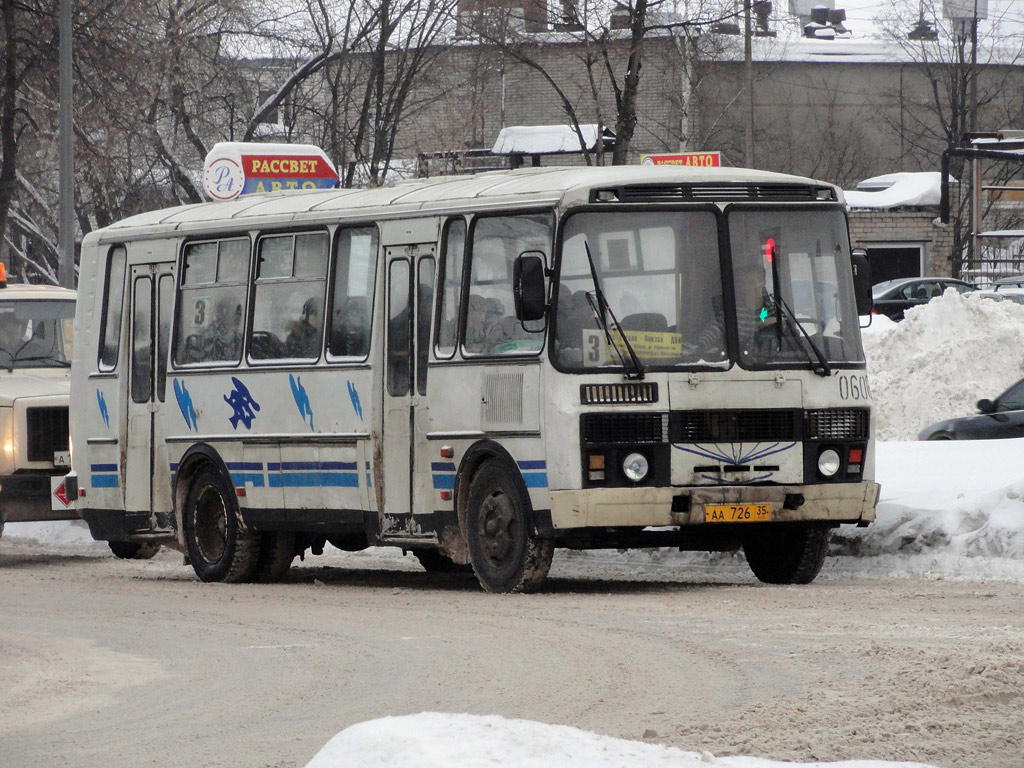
<point>894,190</point>
<point>543,139</point>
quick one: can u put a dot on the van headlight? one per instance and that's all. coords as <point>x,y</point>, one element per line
<point>635,467</point>
<point>829,462</point>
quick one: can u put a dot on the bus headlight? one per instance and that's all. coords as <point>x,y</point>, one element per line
<point>828,462</point>
<point>635,467</point>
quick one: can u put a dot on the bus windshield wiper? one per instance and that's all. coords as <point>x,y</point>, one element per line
<point>785,312</point>
<point>635,369</point>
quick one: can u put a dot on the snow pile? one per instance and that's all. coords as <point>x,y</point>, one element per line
<point>940,360</point>
<point>437,740</point>
<point>894,190</point>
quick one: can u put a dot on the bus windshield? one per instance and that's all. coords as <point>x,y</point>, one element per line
<point>660,275</point>
<point>35,334</point>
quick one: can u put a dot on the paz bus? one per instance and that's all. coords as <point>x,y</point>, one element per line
<point>479,370</point>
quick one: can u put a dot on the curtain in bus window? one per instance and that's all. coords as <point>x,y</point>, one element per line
<point>113,306</point>
<point>211,307</point>
<point>491,325</point>
<point>288,309</point>
<point>451,287</point>
<point>355,271</point>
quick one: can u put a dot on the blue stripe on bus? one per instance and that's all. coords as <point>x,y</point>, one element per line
<point>104,467</point>
<point>532,464</point>
<point>251,466</point>
<point>255,479</point>
<point>535,479</point>
<point>314,480</point>
<point>442,466</point>
<point>104,481</point>
<point>444,482</point>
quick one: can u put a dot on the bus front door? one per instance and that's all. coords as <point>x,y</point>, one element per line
<point>410,290</point>
<point>147,486</point>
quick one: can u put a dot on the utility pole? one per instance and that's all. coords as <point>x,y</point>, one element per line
<point>66,205</point>
<point>748,76</point>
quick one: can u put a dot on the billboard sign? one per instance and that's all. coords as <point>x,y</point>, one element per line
<point>241,168</point>
<point>696,159</point>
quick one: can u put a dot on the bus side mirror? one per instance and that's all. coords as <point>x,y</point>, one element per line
<point>528,286</point>
<point>861,280</point>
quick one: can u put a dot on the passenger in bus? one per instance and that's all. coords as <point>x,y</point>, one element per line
<point>350,328</point>
<point>304,334</point>
<point>222,339</point>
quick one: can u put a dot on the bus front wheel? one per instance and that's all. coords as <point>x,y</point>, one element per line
<point>505,555</point>
<point>220,548</point>
<point>789,555</point>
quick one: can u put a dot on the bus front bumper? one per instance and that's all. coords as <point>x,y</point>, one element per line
<point>619,507</point>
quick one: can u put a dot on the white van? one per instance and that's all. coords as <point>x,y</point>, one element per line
<point>36,324</point>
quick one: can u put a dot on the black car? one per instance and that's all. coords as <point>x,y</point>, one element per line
<point>893,297</point>
<point>999,418</point>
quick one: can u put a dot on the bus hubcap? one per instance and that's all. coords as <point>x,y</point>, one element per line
<point>497,527</point>
<point>211,525</point>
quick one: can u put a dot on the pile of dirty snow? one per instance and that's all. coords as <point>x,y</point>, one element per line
<point>940,360</point>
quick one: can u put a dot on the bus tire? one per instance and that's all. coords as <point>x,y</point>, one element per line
<point>277,550</point>
<point>133,550</point>
<point>219,546</point>
<point>789,555</point>
<point>505,555</point>
<point>433,561</point>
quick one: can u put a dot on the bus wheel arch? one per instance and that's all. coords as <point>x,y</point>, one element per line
<point>496,517</point>
<point>219,545</point>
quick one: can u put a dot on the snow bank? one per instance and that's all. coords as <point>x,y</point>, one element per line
<point>940,360</point>
<point>437,740</point>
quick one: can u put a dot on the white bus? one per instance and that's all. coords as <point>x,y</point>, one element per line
<point>479,370</point>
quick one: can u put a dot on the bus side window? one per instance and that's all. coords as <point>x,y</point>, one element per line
<point>491,325</point>
<point>113,307</point>
<point>287,320</point>
<point>450,300</point>
<point>214,275</point>
<point>355,271</point>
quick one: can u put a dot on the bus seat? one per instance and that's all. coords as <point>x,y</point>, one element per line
<point>645,321</point>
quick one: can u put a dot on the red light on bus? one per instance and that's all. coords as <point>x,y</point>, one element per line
<point>769,249</point>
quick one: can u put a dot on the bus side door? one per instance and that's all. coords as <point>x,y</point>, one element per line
<point>410,291</point>
<point>147,487</point>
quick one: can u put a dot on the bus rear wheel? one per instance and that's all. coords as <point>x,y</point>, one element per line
<point>219,546</point>
<point>505,555</point>
<point>789,555</point>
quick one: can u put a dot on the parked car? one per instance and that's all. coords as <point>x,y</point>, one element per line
<point>999,418</point>
<point>893,297</point>
<point>1008,282</point>
<point>1016,295</point>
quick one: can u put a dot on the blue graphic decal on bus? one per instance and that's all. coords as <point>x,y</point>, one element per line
<point>103,407</point>
<point>184,398</point>
<point>301,400</point>
<point>535,473</point>
<point>735,454</point>
<point>353,395</point>
<point>242,402</point>
<point>103,475</point>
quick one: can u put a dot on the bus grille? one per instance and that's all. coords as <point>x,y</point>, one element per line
<point>624,428</point>
<point>838,424</point>
<point>604,394</point>
<point>47,432</point>
<point>733,426</point>
<point>664,193</point>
